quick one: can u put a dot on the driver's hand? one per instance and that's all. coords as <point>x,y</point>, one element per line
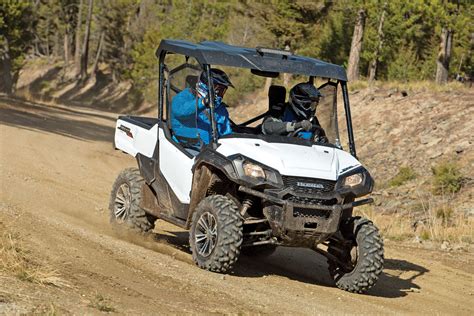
<point>305,125</point>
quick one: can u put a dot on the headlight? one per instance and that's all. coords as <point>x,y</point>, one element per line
<point>353,180</point>
<point>253,170</point>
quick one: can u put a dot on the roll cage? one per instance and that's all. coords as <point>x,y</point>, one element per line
<point>269,62</point>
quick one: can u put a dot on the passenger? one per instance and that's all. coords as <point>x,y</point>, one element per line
<point>299,114</point>
<point>191,127</point>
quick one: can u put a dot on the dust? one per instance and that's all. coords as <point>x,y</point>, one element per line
<point>158,242</point>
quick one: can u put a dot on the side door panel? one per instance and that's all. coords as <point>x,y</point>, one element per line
<point>175,166</point>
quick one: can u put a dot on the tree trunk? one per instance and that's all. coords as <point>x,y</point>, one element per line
<point>57,45</point>
<point>85,47</point>
<point>97,56</point>
<point>375,61</point>
<point>356,47</point>
<point>6,82</point>
<point>444,56</point>
<point>77,50</point>
<point>67,47</point>
<point>47,39</point>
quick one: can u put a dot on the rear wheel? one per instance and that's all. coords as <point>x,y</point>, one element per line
<point>216,234</point>
<point>124,205</point>
<point>362,258</point>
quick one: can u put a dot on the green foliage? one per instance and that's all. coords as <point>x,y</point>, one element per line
<point>15,31</point>
<point>133,29</point>
<point>334,41</point>
<point>113,18</point>
<point>446,178</point>
<point>405,66</point>
<point>404,174</point>
<point>425,235</point>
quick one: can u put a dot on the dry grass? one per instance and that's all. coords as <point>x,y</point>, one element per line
<point>433,221</point>
<point>16,260</point>
<point>102,304</point>
<point>429,86</point>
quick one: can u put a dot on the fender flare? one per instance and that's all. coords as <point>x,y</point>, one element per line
<point>209,164</point>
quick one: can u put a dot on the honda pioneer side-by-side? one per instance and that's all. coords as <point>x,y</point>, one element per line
<point>249,192</point>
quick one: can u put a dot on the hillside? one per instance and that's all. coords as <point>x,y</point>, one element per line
<point>413,127</point>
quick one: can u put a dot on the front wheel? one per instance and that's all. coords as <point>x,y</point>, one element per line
<point>216,234</point>
<point>363,258</point>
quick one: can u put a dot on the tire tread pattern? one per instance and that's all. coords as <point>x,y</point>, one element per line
<point>230,235</point>
<point>138,218</point>
<point>370,261</point>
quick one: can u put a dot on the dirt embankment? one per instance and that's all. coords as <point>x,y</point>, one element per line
<point>57,166</point>
<point>54,82</point>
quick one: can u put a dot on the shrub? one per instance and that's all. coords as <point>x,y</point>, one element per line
<point>101,303</point>
<point>446,178</point>
<point>404,174</point>
<point>445,214</point>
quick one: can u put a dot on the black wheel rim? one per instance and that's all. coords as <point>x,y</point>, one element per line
<point>205,236</point>
<point>123,199</point>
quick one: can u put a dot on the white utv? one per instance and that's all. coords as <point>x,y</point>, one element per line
<point>247,192</point>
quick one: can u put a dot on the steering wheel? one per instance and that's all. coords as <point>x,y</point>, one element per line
<point>295,132</point>
<point>317,134</point>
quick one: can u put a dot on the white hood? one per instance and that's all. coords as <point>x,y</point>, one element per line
<point>292,160</point>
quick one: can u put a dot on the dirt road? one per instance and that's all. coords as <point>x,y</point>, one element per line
<point>57,166</point>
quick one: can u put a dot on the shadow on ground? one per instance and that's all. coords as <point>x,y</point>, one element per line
<point>62,121</point>
<point>304,265</point>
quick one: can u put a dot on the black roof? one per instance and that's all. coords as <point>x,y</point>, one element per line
<point>218,53</point>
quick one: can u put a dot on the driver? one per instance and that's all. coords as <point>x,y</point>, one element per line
<point>299,114</point>
<point>190,114</point>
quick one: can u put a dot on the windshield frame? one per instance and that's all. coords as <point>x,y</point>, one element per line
<point>215,137</point>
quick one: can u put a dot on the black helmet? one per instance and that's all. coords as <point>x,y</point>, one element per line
<point>303,99</point>
<point>220,81</point>
<point>218,77</point>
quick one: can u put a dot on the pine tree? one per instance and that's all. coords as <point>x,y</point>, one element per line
<point>15,38</point>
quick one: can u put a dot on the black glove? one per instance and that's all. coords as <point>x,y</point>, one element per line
<point>305,125</point>
<point>323,139</point>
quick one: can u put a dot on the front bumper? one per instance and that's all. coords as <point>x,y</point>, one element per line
<point>298,223</point>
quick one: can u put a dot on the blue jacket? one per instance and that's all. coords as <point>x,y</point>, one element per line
<point>185,123</point>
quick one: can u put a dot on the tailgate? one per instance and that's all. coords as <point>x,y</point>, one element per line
<point>133,137</point>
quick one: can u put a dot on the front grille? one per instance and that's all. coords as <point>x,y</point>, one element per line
<point>309,185</point>
<point>310,213</point>
<point>310,201</point>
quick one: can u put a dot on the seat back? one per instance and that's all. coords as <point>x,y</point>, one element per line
<point>276,100</point>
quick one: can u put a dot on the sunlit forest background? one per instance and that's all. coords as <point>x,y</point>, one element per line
<point>403,40</point>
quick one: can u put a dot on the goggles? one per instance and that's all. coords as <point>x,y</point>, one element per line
<point>309,104</point>
<point>220,90</point>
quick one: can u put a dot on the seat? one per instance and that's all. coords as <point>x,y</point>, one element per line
<point>276,100</point>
